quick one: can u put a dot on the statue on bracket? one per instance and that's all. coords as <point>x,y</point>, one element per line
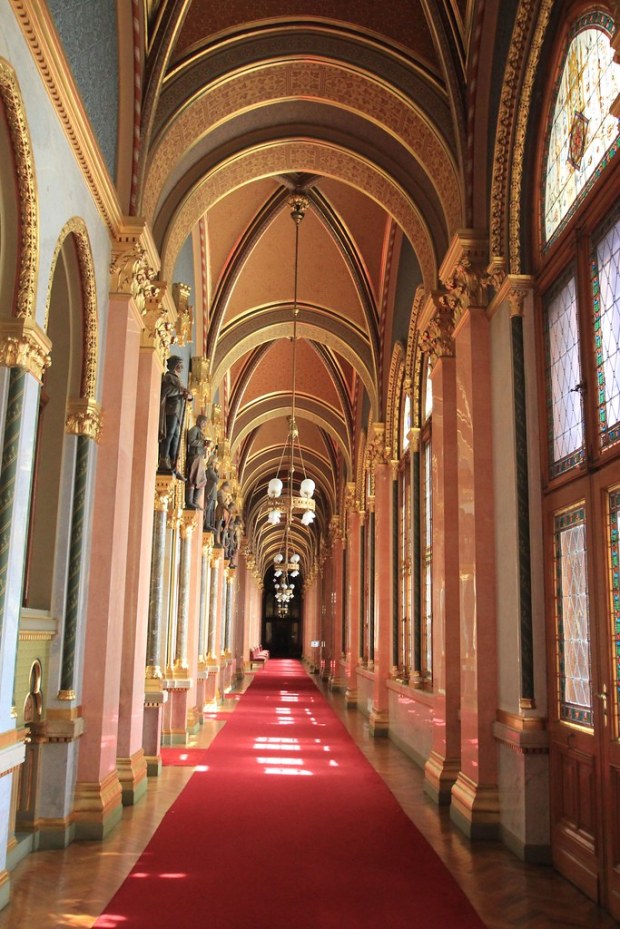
<point>197,444</point>
<point>173,398</point>
<point>210,499</point>
<point>223,514</point>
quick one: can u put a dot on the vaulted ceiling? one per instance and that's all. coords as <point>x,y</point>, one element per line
<point>361,106</point>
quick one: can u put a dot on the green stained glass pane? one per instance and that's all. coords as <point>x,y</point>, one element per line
<point>606,281</point>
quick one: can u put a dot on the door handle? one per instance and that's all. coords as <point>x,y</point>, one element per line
<point>603,698</point>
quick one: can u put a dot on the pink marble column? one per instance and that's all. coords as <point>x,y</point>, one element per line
<point>180,689</point>
<point>354,539</point>
<point>337,679</point>
<point>443,764</point>
<point>379,715</point>
<point>475,801</point>
<point>98,790</point>
<point>131,762</point>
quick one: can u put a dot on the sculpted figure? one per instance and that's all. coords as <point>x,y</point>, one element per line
<point>222,513</point>
<point>234,534</point>
<point>197,444</point>
<point>171,411</point>
<point>212,481</point>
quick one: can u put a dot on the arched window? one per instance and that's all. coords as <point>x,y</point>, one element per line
<point>579,379</point>
<point>582,135</point>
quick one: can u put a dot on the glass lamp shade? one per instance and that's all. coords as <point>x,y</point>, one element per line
<point>274,517</point>
<point>308,518</point>
<point>279,558</point>
<point>295,558</point>
<point>306,487</point>
<point>294,573</point>
<point>275,487</point>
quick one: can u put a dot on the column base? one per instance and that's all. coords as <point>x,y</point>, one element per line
<point>55,833</point>
<point>5,888</point>
<point>337,685</point>
<point>379,723</point>
<point>439,775</point>
<point>98,807</point>
<point>350,697</point>
<point>475,809</point>
<point>153,765</point>
<point>132,773</point>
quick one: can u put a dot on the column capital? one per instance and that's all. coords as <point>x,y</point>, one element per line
<point>437,340</point>
<point>207,544</point>
<point>464,271</point>
<point>188,523</point>
<point>513,289</point>
<point>84,418</point>
<point>23,344</point>
<point>375,448</point>
<point>414,438</point>
<point>164,487</point>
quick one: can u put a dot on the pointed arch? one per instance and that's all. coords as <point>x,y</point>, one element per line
<point>27,219</point>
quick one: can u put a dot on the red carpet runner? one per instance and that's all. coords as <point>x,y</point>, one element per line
<point>285,825</point>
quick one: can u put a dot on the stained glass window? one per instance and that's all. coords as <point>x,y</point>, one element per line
<point>564,384</point>
<point>572,617</point>
<point>614,546</point>
<point>428,394</point>
<point>583,136</point>
<point>606,296</point>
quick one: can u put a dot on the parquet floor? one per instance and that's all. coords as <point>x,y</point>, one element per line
<point>70,888</point>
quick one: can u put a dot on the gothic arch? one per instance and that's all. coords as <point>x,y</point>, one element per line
<point>22,280</point>
<point>302,155</point>
<point>76,228</point>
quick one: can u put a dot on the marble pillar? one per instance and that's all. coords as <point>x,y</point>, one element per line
<point>382,606</point>
<point>354,606</point>
<point>179,687</point>
<point>98,792</point>
<point>443,764</point>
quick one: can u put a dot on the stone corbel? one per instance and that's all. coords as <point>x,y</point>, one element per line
<point>158,316</point>
<point>188,523</point>
<point>84,418</point>
<point>513,290</point>
<point>23,344</point>
<point>164,489</point>
<point>464,272</point>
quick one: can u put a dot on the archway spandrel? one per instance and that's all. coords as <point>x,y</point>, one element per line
<point>319,81</point>
<point>303,156</point>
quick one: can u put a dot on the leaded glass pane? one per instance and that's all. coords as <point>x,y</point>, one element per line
<point>614,547</point>
<point>428,394</point>
<point>606,295</point>
<point>406,422</point>
<point>583,135</point>
<point>572,618</point>
<point>564,407</point>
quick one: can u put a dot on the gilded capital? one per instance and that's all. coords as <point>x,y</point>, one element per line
<point>164,487</point>
<point>189,522</point>
<point>375,447</point>
<point>130,270</point>
<point>84,418</point>
<point>23,344</point>
<point>514,290</point>
<point>350,500</point>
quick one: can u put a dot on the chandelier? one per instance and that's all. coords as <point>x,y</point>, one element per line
<point>284,569</point>
<point>301,503</point>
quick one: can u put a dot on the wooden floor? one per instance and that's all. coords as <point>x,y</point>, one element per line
<point>69,888</point>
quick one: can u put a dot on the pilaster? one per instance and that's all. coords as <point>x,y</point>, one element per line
<point>382,570</point>
<point>353,605</point>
